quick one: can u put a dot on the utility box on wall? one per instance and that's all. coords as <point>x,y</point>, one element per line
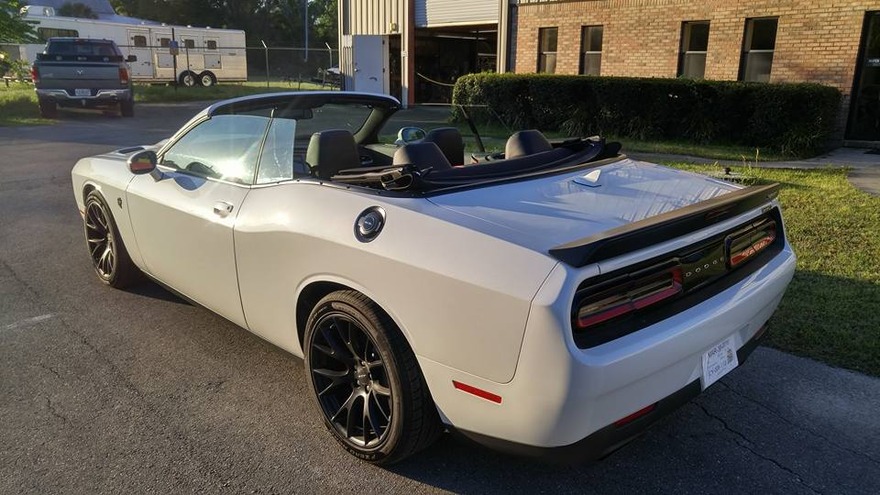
<point>364,63</point>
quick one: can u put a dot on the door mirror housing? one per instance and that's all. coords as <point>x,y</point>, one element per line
<point>409,135</point>
<point>142,162</point>
<point>131,58</point>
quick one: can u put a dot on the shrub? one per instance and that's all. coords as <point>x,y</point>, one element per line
<point>793,119</point>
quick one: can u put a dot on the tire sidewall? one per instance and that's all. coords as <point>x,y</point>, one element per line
<point>95,197</point>
<point>369,321</point>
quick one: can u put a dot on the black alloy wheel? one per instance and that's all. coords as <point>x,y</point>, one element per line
<point>366,380</point>
<point>351,381</point>
<point>106,249</point>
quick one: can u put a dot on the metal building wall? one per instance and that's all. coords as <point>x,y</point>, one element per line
<point>455,12</point>
<point>375,16</point>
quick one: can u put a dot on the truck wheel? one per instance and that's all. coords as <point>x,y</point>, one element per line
<point>48,109</point>
<point>207,79</point>
<point>126,108</point>
<point>188,78</point>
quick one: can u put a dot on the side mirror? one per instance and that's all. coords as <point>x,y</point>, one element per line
<point>409,135</point>
<point>131,58</point>
<point>143,162</point>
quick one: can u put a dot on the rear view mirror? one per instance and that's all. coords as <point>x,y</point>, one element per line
<point>143,162</point>
<point>131,58</point>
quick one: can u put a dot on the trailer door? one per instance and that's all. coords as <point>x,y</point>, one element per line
<point>139,46</point>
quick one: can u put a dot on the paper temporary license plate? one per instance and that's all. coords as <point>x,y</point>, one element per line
<point>718,361</point>
<point>82,92</point>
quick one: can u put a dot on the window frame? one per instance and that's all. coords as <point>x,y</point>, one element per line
<point>142,37</point>
<point>748,36</point>
<point>584,52</point>
<point>684,47</point>
<point>542,54</point>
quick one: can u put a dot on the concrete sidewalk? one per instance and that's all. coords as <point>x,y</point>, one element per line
<point>865,173</point>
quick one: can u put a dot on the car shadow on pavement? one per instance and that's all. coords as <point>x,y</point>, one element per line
<point>155,291</point>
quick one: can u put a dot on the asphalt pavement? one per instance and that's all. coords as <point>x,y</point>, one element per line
<point>107,391</point>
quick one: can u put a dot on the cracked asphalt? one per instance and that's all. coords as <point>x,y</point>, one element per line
<point>137,391</point>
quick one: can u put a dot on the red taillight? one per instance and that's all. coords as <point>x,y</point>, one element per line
<point>634,416</point>
<point>748,245</point>
<point>628,297</point>
<point>123,76</point>
<point>35,74</point>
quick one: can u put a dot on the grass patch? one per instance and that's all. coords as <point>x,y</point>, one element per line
<point>831,311</point>
<point>712,151</point>
<point>145,93</point>
<point>18,106</point>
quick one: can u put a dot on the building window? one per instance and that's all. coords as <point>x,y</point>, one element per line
<point>758,45</point>
<point>139,41</point>
<point>189,44</point>
<point>164,42</point>
<point>547,38</point>
<point>211,44</point>
<point>591,50</point>
<point>694,44</point>
<point>45,33</point>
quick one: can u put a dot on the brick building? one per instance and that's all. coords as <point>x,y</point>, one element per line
<point>834,43</point>
<point>410,48</point>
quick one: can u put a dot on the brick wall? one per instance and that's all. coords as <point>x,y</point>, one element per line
<point>816,41</point>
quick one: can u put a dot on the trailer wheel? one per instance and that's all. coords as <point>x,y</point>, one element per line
<point>188,78</point>
<point>207,79</point>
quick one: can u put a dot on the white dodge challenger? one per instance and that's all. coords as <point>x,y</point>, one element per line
<point>555,300</point>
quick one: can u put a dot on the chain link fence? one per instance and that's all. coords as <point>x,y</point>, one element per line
<point>293,65</point>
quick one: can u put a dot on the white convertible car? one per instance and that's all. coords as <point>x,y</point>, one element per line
<point>556,300</point>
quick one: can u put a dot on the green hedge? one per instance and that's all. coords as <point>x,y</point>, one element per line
<point>792,119</point>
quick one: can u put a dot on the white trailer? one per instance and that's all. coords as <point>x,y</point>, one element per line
<point>205,55</point>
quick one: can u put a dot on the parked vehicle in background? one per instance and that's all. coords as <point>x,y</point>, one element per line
<point>76,72</point>
<point>204,55</point>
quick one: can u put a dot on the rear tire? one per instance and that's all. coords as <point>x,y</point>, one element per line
<point>126,108</point>
<point>366,381</point>
<point>207,79</point>
<point>109,257</point>
<point>48,109</point>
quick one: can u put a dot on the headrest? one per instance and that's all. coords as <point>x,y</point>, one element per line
<point>331,151</point>
<point>423,155</point>
<point>448,139</point>
<point>525,143</point>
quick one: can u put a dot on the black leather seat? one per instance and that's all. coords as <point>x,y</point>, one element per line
<point>449,140</point>
<point>525,143</point>
<point>331,151</point>
<point>423,155</point>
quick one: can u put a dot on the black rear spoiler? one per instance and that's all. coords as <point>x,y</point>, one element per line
<point>663,227</point>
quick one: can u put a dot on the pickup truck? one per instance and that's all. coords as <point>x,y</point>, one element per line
<point>84,73</point>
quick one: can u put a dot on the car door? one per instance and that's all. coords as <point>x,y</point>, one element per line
<point>184,212</point>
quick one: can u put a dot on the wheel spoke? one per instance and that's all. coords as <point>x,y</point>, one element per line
<point>337,349</point>
<point>370,412</point>
<point>380,389</point>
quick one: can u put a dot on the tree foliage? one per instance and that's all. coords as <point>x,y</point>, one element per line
<point>77,9</point>
<point>13,27</point>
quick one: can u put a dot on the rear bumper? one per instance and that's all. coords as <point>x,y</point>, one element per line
<point>101,96</point>
<point>566,400</point>
<point>612,437</point>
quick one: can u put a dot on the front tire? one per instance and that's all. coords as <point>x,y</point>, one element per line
<point>188,78</point>
<point>109,257</point>
<point>366,381</point>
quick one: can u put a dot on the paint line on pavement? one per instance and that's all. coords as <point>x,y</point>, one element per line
<point>28,322</point>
